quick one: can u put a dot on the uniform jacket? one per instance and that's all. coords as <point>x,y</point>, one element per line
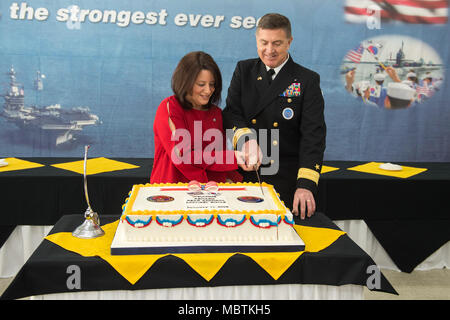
<point>294,105</point>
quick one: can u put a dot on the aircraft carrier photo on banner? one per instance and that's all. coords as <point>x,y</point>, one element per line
<point>61,126</point>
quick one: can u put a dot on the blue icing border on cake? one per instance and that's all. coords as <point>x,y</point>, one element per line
<point>237,223</point>
<point>173,222</point>
<point>133,223</point>
<point>206,221</point>
<point>288,221</point>
<point>124,206</point>
<point>271,223</point>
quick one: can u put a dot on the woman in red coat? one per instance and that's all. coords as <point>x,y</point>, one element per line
<point>188,132</point>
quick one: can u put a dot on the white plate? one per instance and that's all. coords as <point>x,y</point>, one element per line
<point>3,163</point>
<point>390,167</point>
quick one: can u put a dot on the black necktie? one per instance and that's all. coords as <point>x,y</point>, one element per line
<point>270,73</point>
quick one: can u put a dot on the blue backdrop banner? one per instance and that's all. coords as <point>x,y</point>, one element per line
<point>83,72</point>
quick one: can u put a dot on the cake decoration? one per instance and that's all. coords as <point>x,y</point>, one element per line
<point>194,185</point>
<point>229,221</point>
<point>250,199</point>
<point>160,198</point>
<point>200,222</point>
<point>180,205</point>
<point>138,223</point>
<point>288,220</point>
<point>263,223</point>
<point>185,224</point>
<point>210,186</point>
<point>167,222</point>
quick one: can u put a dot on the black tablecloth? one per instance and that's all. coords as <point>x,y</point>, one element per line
<point>407,216</point>
<point>41,196</point>
<point>46,271</point>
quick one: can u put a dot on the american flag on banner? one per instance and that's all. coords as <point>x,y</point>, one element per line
<point>408,11</point>
<point>355,54</point>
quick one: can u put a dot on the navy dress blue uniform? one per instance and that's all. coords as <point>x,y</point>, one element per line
<point>293,104</point>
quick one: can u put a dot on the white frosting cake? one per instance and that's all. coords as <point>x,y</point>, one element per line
<point>171,218</point>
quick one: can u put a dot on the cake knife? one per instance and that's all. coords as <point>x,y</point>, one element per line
<point>259,180</point>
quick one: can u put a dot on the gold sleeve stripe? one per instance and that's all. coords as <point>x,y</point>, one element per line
<point>308,174</point>
<point>238,134</point>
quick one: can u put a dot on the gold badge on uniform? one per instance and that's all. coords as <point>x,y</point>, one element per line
<point>259,78</point>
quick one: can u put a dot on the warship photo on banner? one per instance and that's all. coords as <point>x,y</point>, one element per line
<point>61,126</point>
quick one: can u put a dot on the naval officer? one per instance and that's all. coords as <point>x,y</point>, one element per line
<point>274,93</point>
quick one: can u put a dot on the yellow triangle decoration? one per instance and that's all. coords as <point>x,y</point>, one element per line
<point>205,264</point>
<point>275,263</point>
<point>374,168</point>
<point>326,169</point>
<point>317,239</point>
<point>95,165</point>
<point>133,267</point>
<point>19,164</point>
<point>85,247</point>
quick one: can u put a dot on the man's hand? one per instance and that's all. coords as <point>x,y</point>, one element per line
<point>249,158</point>
<point>305,199</point>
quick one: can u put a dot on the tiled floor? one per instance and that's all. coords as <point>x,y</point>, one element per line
<point>418,285</point>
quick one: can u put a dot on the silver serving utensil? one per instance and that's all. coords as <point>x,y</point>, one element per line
<point>91,225</point>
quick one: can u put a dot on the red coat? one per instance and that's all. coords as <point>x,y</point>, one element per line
<point>191,155</point>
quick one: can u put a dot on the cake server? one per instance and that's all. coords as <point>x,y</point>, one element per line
<point>91,225</point>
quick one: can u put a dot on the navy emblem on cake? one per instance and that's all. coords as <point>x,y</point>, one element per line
<point>250,199</point>
<point>160,198</point>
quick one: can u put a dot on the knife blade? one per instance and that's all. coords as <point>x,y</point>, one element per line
<point>259,180</point>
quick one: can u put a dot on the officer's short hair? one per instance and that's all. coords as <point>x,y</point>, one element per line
<point>274,21</point>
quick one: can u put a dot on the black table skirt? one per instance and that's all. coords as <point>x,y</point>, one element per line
<point>409,217</point>
<point>45,272</point>
<point>405,215</point>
